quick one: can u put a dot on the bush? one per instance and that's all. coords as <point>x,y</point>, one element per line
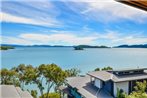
<point>51,95</point>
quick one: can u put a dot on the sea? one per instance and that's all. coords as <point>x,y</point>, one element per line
<point>66,57</point>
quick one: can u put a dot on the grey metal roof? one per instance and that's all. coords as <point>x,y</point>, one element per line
<point>106,75</point>
<point>85,87</point>
<point>102,75</point>
<point>137,69</point>
<point>10,91</point>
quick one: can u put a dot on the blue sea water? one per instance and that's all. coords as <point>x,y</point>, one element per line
<point>85,60</point>
<point>66,57</point>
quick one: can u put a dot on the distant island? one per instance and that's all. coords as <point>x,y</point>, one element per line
<point>6,47</point>
<point>132,46</point>
<point>78,47</point>
<point>81,47</point>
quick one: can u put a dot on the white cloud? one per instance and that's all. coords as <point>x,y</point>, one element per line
<point>131,40</point>
<point>59,38</point>
<point>17,19</point>
<point>109,38</point>
<point>42,13</point>
<point>14,40</point>
<point>107,11</point>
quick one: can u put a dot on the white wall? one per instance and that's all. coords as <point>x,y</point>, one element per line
<point>97,83</point>
<point>121,85</point>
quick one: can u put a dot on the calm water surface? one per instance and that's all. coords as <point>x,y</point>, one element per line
<point>86,60</point>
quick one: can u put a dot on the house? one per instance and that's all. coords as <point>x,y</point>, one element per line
<point>10,91</point>
<point>103,84</point>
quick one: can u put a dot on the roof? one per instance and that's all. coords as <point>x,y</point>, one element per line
<point>102,75</point>
<point>10,91</point>
<point>108,75</point>
<point>137,69</point>
<point>141,4</point>
<point>85,87</point>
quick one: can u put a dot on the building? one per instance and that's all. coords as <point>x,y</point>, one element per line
<point>10,91</point>
<point>103,84</point>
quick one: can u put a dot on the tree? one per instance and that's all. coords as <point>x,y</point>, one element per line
<point>34,76</point>
<point>120,93</point>
<point>9,77</point>
<point>107,68</point>
<point>20,69</point>
<point>141,87</point>
<point>51,95</point>
<point>72,72</point>
<point>137,95</point>
<point>51,74</point>
<point>140,90</point>
<point>54,76</point>
<point>34,93</point>
<point>97,69</point>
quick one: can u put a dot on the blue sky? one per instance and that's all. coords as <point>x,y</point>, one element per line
<point>72,22</point>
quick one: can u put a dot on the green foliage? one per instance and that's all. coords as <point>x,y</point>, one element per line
<point>72,72</point>
<point>51,74</point>
<point>97,69</point>
<point>105,68</point>
<point>78,48</point>
<point>140,90</point>
<point>137,95</point>
<point>120,93</point>
<point>141,87</point>
<point>34,93</point>
<point>6,47</point>
<point>51,95</point>
<point>9,77</point>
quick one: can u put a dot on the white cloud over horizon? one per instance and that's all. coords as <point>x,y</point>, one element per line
<point>112,38</point>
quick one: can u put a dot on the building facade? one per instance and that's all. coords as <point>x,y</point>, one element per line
<point>105,84</point>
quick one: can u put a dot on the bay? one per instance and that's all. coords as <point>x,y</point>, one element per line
<point>85,60</point>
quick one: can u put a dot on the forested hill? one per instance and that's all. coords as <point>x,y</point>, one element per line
<point>132,46</point>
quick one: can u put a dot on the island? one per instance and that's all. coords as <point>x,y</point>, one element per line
<point>132,46</point>
<point>78,48</point>
<point>81,47</point>
<point>6,47</point>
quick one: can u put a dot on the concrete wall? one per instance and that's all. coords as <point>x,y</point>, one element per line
<point>98,83</point>
<point>121,85</point>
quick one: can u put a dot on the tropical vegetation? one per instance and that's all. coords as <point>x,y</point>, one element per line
<point>45,77</point>
<point>6,47</point>
<point>50,74</point>
<point>105,68</point>
<point>140,91</point>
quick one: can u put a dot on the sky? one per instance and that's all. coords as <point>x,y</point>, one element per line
<point>71,22</point>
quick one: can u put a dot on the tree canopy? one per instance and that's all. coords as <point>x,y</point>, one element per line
<point>105,68</point>
<point>72,72</point>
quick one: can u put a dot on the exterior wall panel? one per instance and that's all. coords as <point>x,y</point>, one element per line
<point>98,83</point>
<point>121,85</point>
